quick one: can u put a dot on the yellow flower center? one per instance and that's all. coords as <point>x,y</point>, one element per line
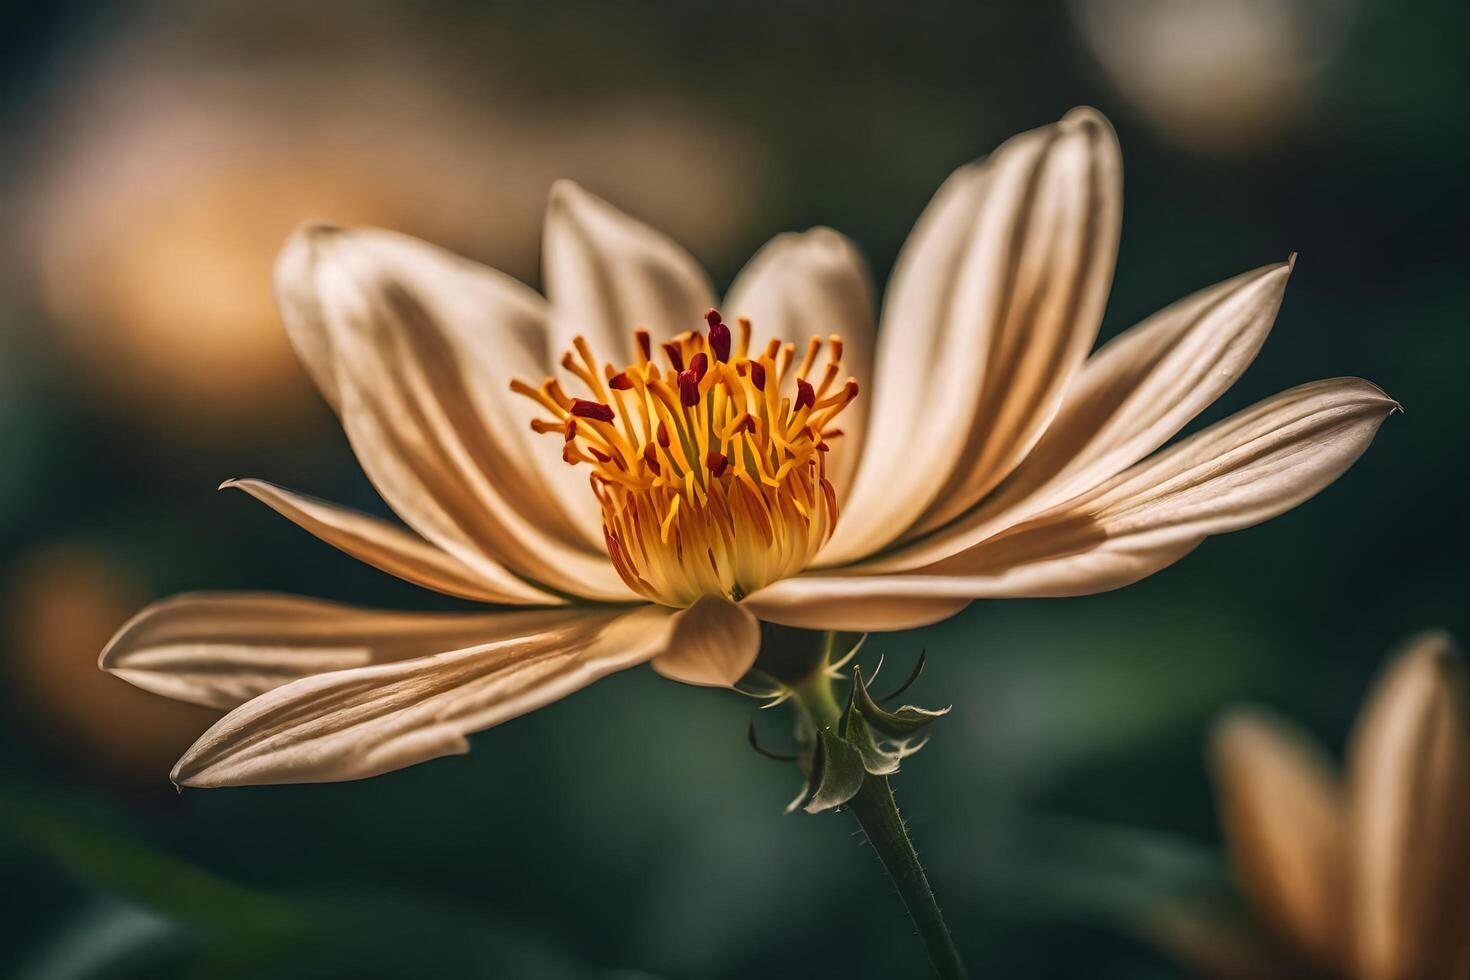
<point>711,471</point>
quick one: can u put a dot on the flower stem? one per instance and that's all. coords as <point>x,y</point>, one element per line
<point>877,813</point>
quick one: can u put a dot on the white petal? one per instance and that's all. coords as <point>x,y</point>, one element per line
<point>1132,396</point>
<point>1285,817</point>
<point>811,283</point>
<point>1237,473</point>
<point>607,274</point>
<point>364,721</point>
<point>421,347</point>
<point>1409,773</point>
<point>995,301</point>
<point>714,643</point>
<point>222,649</point>
<point>394,550</point>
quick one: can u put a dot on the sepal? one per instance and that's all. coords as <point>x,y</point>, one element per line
<point>900,724</point>
<point>883,738</point>
<point>835,775</point>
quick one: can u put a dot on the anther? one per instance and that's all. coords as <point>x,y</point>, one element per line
<point>688,389</point>
<point>806,396</point>
<point>716,462</point>
<point>645,343</point>
<point>719,336</point>
<point>675,355</point>
<point>582,408</point>
<point>699,364</point>
<point>758,375</point>
<point>619,382</point>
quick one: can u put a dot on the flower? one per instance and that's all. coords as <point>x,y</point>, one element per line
<point>1367,876</point>
<point>981,453</point>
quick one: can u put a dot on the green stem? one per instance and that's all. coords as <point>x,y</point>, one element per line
<point>877,813</point>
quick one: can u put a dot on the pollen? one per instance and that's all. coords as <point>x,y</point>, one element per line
<point>710,465</point>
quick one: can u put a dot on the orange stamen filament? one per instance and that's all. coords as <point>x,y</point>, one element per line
<point>712,484</point>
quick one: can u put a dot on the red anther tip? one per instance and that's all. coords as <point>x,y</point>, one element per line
<point>716,462</point>
<point>619,382</point>
<point>719,340</point>
<point>601,457</point>
<point>823,446</point>
<point>712,317</point>
<point>688,389</point>
<point>571,429</point>
<point>663,434</point>
<point>699,364</point>
<point>806,396</point>
<point>852,388</point>
<point>645,343</point>
<point>675,355</point>
<point>584,409</point>
<point>758,375</point>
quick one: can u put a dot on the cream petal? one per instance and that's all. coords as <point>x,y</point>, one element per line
<point>994,303</point>
<point>364,721</point>
<point>828,607</point>
<point>1409,775</point>
<point>715,641</point>
<point>394,550</point>
<point>815,282</point>
<point>1239,472</point>
<point>421,345</point>
<point>1134,394</point>
<point>607,273</point>
<point>1285,816</point>
<point>222,649</point>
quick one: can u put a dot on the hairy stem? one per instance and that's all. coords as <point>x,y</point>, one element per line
<point>877,813</point>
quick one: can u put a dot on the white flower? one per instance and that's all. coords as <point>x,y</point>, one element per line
<point>982,453</point>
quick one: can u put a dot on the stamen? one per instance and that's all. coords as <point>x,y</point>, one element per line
<point>711,475</point>
<point>719,335</point>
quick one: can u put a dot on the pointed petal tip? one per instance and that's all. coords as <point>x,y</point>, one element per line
<point>1086,115</point>
<point>1291,261</point>
<point>565,193</point>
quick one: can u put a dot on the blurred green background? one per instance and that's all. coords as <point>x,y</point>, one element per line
<point>157,154</point>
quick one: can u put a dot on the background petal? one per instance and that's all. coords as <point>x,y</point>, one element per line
<point>1409,776</point>
<point>1285,816</point>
